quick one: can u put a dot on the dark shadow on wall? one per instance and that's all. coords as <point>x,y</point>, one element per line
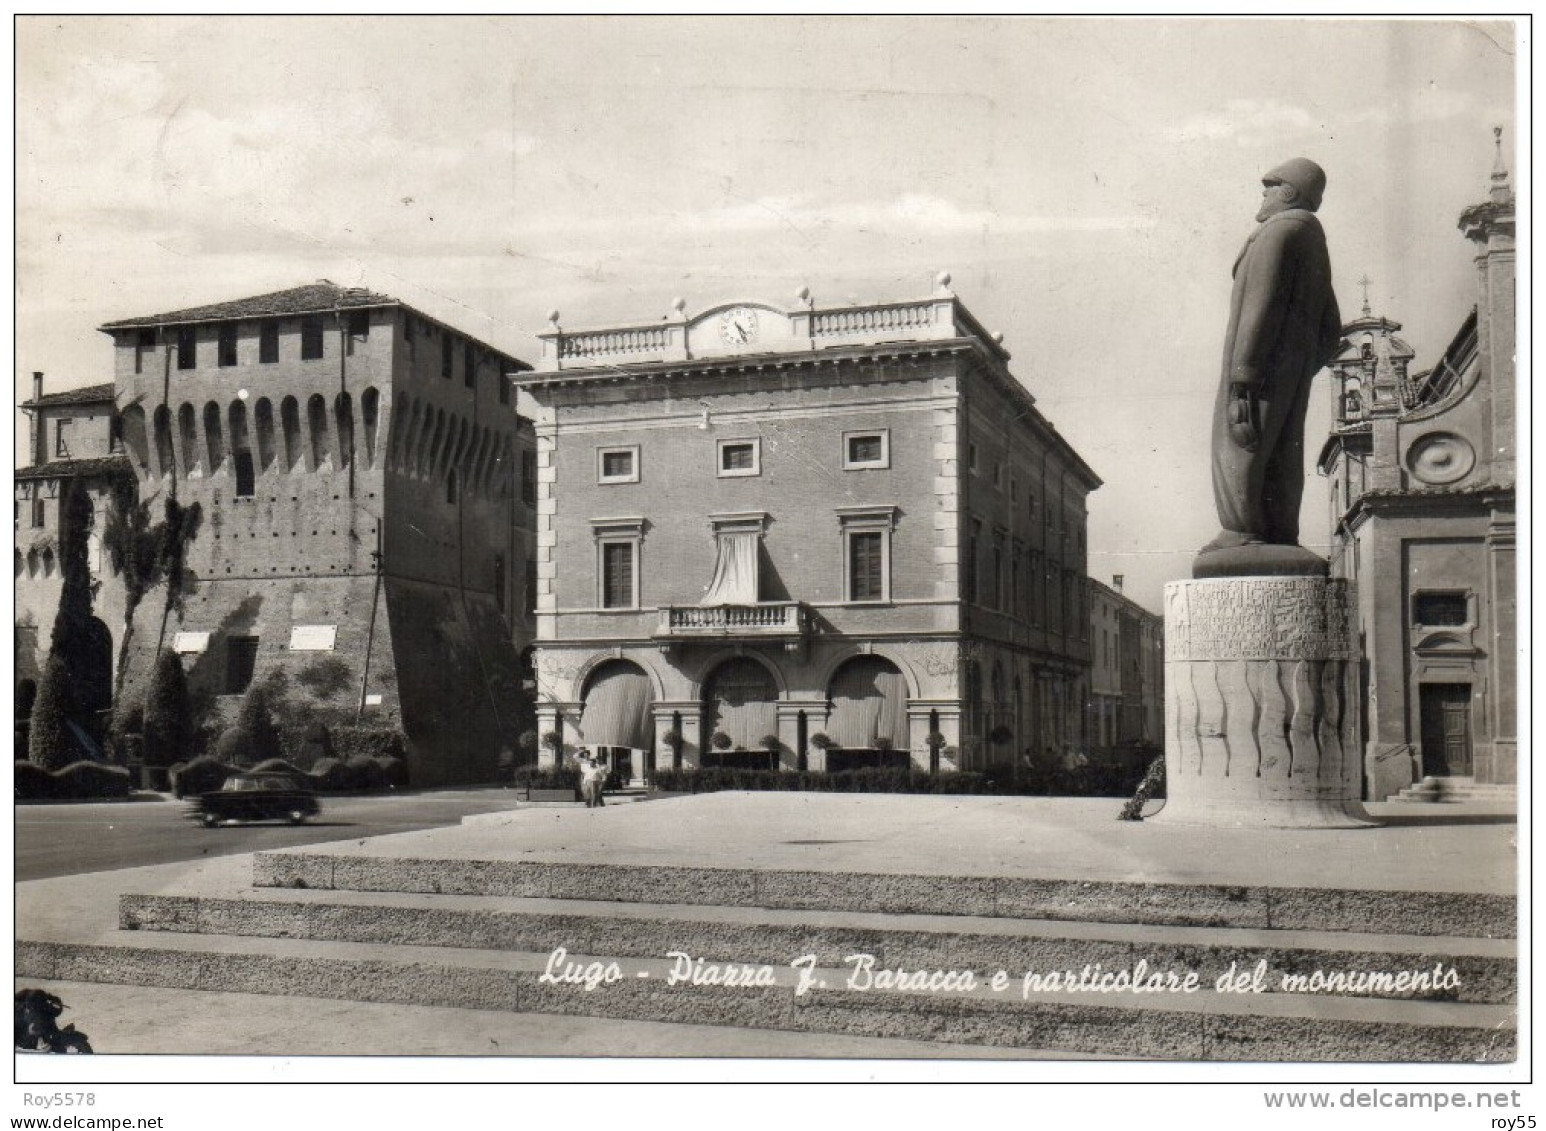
<point>207,673</point>
<point>451,660</point>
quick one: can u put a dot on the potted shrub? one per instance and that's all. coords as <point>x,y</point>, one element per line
<point>674,742</point>
<point>555,742</point>
<point>935,742</point>
<point>772,744</point>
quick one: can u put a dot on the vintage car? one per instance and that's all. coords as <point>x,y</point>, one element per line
<point>257,797</point>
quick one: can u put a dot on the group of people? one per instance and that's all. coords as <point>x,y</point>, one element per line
<point>593,777</point>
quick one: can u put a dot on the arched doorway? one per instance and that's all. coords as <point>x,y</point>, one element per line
<point>740,712</point>
<point>616,718</point>
<point>867,719</point>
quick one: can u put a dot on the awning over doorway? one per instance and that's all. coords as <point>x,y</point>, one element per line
<point>869,701</point>
<point>742,701</point>
<point>617,708</point>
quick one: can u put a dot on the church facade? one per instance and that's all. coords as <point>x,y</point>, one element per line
<point>808,538</point>
<point>1421,468</point>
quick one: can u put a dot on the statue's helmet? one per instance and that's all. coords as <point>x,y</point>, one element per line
<point>1307,178</point>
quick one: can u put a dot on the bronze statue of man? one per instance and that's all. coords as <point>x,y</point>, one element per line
<point>1283,326</point>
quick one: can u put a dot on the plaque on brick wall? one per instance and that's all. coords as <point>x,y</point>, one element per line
<point>190,643</point>
<point>1258,618</point>
<point>313,637</point>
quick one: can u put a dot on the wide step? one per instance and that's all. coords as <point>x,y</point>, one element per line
<point>1202,1026</point>
<point>1483,969</point>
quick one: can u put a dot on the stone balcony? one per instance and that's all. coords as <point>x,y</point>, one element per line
<point>788,622</point>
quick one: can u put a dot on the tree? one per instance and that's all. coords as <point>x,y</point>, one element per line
<point>77,634</point>
<point>168,724</point>
<point>50,745</point>
<point>254,738</point>
<point>145,555</point>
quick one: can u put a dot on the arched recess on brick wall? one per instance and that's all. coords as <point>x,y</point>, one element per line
<point>426,437</point>
<point>370,410</point>
<point>404,411</point>
<point>506,458</point>
<point>290,424</point>
<point>444,448</point>
<point>479,455</point>
<point>48,561</point>
<point>454,461</point>
<point>343,413</point>
<point>134,437</point>
<point>241,451</point>
<point>188,437</point>
<point>316,427</point>
<point>20,563</point>
<point>263,424</point>
<point>214,438</point>
<point>163,434</point>
<point>34,562</point>
<point>437,437</point>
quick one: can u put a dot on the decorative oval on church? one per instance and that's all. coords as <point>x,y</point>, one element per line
<point>1440,457</point>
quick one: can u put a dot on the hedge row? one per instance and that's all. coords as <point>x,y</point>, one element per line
<point>79,781</point>
<point>329,775</point>
<point>713,780</point>
<point>1087,782</point>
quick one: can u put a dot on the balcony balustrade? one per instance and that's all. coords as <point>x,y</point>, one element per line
<point>766,620</point>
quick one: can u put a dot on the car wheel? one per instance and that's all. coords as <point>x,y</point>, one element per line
<point>296,816</point>
<point>210,820</point>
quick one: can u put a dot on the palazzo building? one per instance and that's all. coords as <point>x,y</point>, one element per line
<point>1421,467</point>
<point>1126,701</point>
<point>365,526</point>
<point>808,538</point>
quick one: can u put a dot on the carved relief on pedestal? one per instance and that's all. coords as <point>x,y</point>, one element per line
<point>1261,680</point>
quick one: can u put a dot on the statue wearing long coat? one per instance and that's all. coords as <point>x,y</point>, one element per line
<point>1284,325</point>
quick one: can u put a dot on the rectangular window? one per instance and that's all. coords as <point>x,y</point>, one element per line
<point>617,465</point>
<point>867,552</point>
<point>866,566</point>
<point>115,434</point>
<point>311,338</point>
<point>62,430</point>
<point>39,511</point>
<point>971,458</point>
<point>1441,610</point>
<point>617,578</point>
<point>241,658</point>
<point>469,365</point>
<point>969,568</point>
<point>529,478</point>
<point>531,589</point>
<point>445,356</point>
<point>268,343</point>
<point>739,458</point>
<point>144,342</point>
<point>187,347</point>
<point>863,450</point>
<point>226,355</point>
<point>359,324</point>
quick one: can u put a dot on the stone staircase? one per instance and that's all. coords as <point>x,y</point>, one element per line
<point>1451,789</point>
<point>598,940</point>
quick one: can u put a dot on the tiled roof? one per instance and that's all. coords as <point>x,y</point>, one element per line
<point>89,394</point>
<point>310,299</point>
<point>67,468</point>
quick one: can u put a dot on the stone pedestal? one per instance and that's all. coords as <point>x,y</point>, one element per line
<point>1261,703</point>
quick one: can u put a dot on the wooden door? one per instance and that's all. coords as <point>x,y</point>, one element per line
<point>1446,729</point>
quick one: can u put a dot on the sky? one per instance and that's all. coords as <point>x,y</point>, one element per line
<point>1086,182</point>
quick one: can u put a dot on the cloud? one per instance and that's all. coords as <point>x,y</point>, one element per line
<point>1248,121</point>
